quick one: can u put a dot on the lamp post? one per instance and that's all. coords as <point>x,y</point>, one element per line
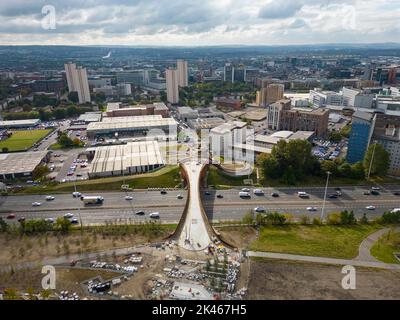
<point>328,173</point>
<point>372,160</point>
<point>79,210</point>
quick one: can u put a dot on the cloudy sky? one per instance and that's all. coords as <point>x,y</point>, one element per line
<point>198,22</point>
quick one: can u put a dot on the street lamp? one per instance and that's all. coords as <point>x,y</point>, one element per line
<point>372,160</point>
<point>79,210</point>
<point>328,173</point>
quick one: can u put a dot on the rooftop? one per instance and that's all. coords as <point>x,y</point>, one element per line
<point>20,162</point>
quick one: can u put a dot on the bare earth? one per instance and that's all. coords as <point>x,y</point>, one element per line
<point>277,280</point>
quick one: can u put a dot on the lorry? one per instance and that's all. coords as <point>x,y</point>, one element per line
<point>92,200</point>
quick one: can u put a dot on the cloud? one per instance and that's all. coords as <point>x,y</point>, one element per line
<point>185,22</point>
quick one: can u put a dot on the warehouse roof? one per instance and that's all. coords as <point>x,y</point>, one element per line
<point>26,122</point>
<point>122,157</point>
<point>20,162</point>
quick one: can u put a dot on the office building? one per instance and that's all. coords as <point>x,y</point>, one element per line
<point>360,136</point>
<point>172,79</point>
<point>116,109</point>
<point>182,68</point>
<point>357,98</point>
<point>78,81</point>
<point>305,120</point>
<point>269,94</point>
<point>229,72</point>
<point>274,113</point>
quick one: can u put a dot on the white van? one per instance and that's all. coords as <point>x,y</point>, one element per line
<point>395,210</point>
<point>154,215</point>
<point>244,194</point>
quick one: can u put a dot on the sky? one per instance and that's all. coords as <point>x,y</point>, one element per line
<point>198,22</point>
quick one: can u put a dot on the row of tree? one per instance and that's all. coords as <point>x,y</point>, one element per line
<point>58,113</point>
<point>290,162</point>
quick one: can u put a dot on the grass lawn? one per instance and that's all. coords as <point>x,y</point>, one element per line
<point>322,241</point>
<point>384,248</point>
<point>23,139</point>
<point>167,177</point>
<point>219,180</point>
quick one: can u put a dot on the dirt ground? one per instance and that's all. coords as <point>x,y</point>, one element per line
<point>35,248</point>
<point>240,237</point>
<point>276,280</point>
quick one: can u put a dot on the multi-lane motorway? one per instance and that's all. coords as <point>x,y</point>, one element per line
<point>229,207</point>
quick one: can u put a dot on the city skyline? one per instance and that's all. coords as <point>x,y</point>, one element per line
<point>189,23</point>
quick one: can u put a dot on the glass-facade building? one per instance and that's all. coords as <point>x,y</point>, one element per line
<point>360,135</point>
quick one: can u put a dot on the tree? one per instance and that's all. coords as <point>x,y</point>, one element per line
<point>380,159</point>
<point>63,224</point>
<point>329,165</point>
<point>4,149</point>
<point>335,136</point>
<point>39,172</point>
<point>73,97</point>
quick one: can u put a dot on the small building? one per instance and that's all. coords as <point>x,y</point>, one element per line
<point>21,164</point>
<point>19,124</point>
<point>125,159</point>
<point>186,113</point>
<point>229,103</point>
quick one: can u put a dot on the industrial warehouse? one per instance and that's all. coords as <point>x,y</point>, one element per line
<point>130,158</point>
<point>135,126</point>
<point>20,164</point>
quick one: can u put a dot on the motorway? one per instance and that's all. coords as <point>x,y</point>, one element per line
<point>230,207</point>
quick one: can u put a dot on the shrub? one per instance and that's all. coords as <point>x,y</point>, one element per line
<point>364,219</point>
<point>391,217</point>
<point>275,218</point>
<point>316,221</point>
<point>334,218</point>
<point>347,217</point>
<point>304,219</point>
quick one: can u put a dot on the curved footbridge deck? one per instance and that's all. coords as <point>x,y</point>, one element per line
<point>194,231</point>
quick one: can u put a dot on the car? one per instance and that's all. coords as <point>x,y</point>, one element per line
<point>76,194</point>
<point>21,219</point>
<point>207,193</point>
<point>36,204</point>
<point>245,190</point>
<point>275,194</point>
<point>51,220</point>
<point>128,198</point>
<point>367,193</point>
<point>376,188</point>
<point>154,215</point>
<point>50,198</point>
<point>303,194</point>
<point>79,174</point>
<point>179,196</point>
<point>74,221</point>
<point>370,207</point>
<point>375,192</point>
<point>68,215</point>
<point>259,209</point>
<point>140,213</point>
<point>311,209</point>
<point>339,193</point>
<point>396,193</point>
<point>220,196</point>
<point>11,216</point>
<point>333,196</point>
<point>163,192</point>
<point>258,192</point>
